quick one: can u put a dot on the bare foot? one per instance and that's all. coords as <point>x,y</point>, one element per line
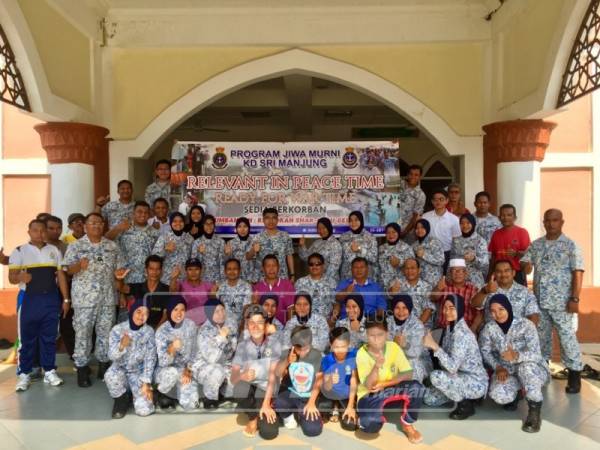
<point>414,437</point>
<point>251,427</point>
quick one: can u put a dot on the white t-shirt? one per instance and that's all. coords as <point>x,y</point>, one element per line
<point>444,227</point>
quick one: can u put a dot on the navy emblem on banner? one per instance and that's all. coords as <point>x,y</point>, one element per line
<point>219,159</point>
<point>349,160</point>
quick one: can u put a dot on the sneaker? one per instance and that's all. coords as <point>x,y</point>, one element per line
<point>290,422</point>
<point>36,374</point>
<point>23,382</point>
<point>51,378</point>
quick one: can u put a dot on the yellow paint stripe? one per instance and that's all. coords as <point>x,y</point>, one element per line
<point>454,442</point>
<point>195,436</point>
<point>116,441</point>
<point>282,439</point>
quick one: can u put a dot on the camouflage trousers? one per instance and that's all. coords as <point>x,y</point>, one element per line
<point>169,378</point>
<point>529,376</point>
<point>119,381</point>
<point>566,326</point>
<point>85,321</point>
<point>212,377</point>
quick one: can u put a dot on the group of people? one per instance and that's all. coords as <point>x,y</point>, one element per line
<point>176,315</point>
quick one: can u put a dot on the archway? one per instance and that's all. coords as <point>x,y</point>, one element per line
<point>305,63</point>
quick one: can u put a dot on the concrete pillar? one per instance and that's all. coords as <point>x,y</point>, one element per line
<point>515,149</point>
<point>77,153</point>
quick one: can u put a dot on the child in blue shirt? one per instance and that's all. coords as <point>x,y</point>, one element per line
<point>340,379</point>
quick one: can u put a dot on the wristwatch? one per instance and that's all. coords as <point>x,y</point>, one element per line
<point>574,299</point>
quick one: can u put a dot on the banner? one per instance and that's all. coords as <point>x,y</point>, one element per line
<point>303,180</point>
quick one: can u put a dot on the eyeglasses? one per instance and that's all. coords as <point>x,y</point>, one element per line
<point>314,264</point>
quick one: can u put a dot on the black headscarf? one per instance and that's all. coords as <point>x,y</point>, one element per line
<point>302,320</point>
<point>263,298</point>
<point>398,230</point>
<point>210,307</point>
<point>471,219</point>
<point>427,227</point>
<point>359,300</point>
<point>171,217</point>
<point>361,218</point>
<point>209,217</point>
<point>459,303</point>
<point>197,224</point>
<point>173,302</point>
<point>503,301</point>
<point>407,300</point>
<point>327,224</point>
<point>247,222</point>
<point>138,303</point>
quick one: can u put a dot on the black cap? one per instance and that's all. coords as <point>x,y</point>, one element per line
<point>73,217</point>
<point>193,262</point>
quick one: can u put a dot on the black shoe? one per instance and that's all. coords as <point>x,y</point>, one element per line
<point>83,377</point>
<point>463,410</point>
<point>165,402</point>
<point>512,406</point>
<point>574,383</point>
<point>102,368</point>
<point>210,404</point>
<point>533,422</point>
<point>121,406</point>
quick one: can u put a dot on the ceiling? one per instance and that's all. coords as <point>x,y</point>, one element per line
<point>297,102</point>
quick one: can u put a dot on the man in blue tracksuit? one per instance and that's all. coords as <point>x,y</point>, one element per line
<point>35,266</point>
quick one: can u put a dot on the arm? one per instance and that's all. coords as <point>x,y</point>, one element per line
<point>533,351</point>
<point>486,347</point>
<point>482,257</point>
<point>115,351</point>
<point>164,349</point>
<point>434,253</point>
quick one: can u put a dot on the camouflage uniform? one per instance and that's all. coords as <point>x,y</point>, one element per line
<point>523,302</point>
<point>239,249</point>
<point>357,338</point>
<point>478,268</point>
<point>463,375</point>
<point>389,273</point>
<point>418,356</point>
<point>322,292</point>
<point>212,259</point>
<point>554,262</point>
<point>170,367</point>
<point>529,372</point>
<point>368,250</point>
<point>212,362</point>
<point>133,366</point>
<point>93,295</point>
<point>115,212</point>
<point>235,297</point>
<point>486,226</point>
<point>331,251</point>
<point>178,257</point>
<point>411,200</point>
<point>432,262</point>
<point>318,326</point>
<point>155,190</point>
<point>136,245</point>
<point>279,245</point>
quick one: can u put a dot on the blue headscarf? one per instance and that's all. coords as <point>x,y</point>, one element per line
<point>138,303</point>
<point>503,301</point>
<point>402,298</point>
<point>174,300</point>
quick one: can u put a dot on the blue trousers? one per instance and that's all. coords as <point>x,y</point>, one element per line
<point>286,403</point>
<point>38,327</point>
<point>406,395</point>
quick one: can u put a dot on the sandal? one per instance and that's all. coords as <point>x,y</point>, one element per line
<point>561,374</point>
<point>413,436</point>
<point>590,373</point>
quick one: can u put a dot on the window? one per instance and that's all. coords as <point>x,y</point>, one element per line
<point>12,88</point>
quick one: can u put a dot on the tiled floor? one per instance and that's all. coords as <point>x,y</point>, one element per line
<point>56,418</point>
